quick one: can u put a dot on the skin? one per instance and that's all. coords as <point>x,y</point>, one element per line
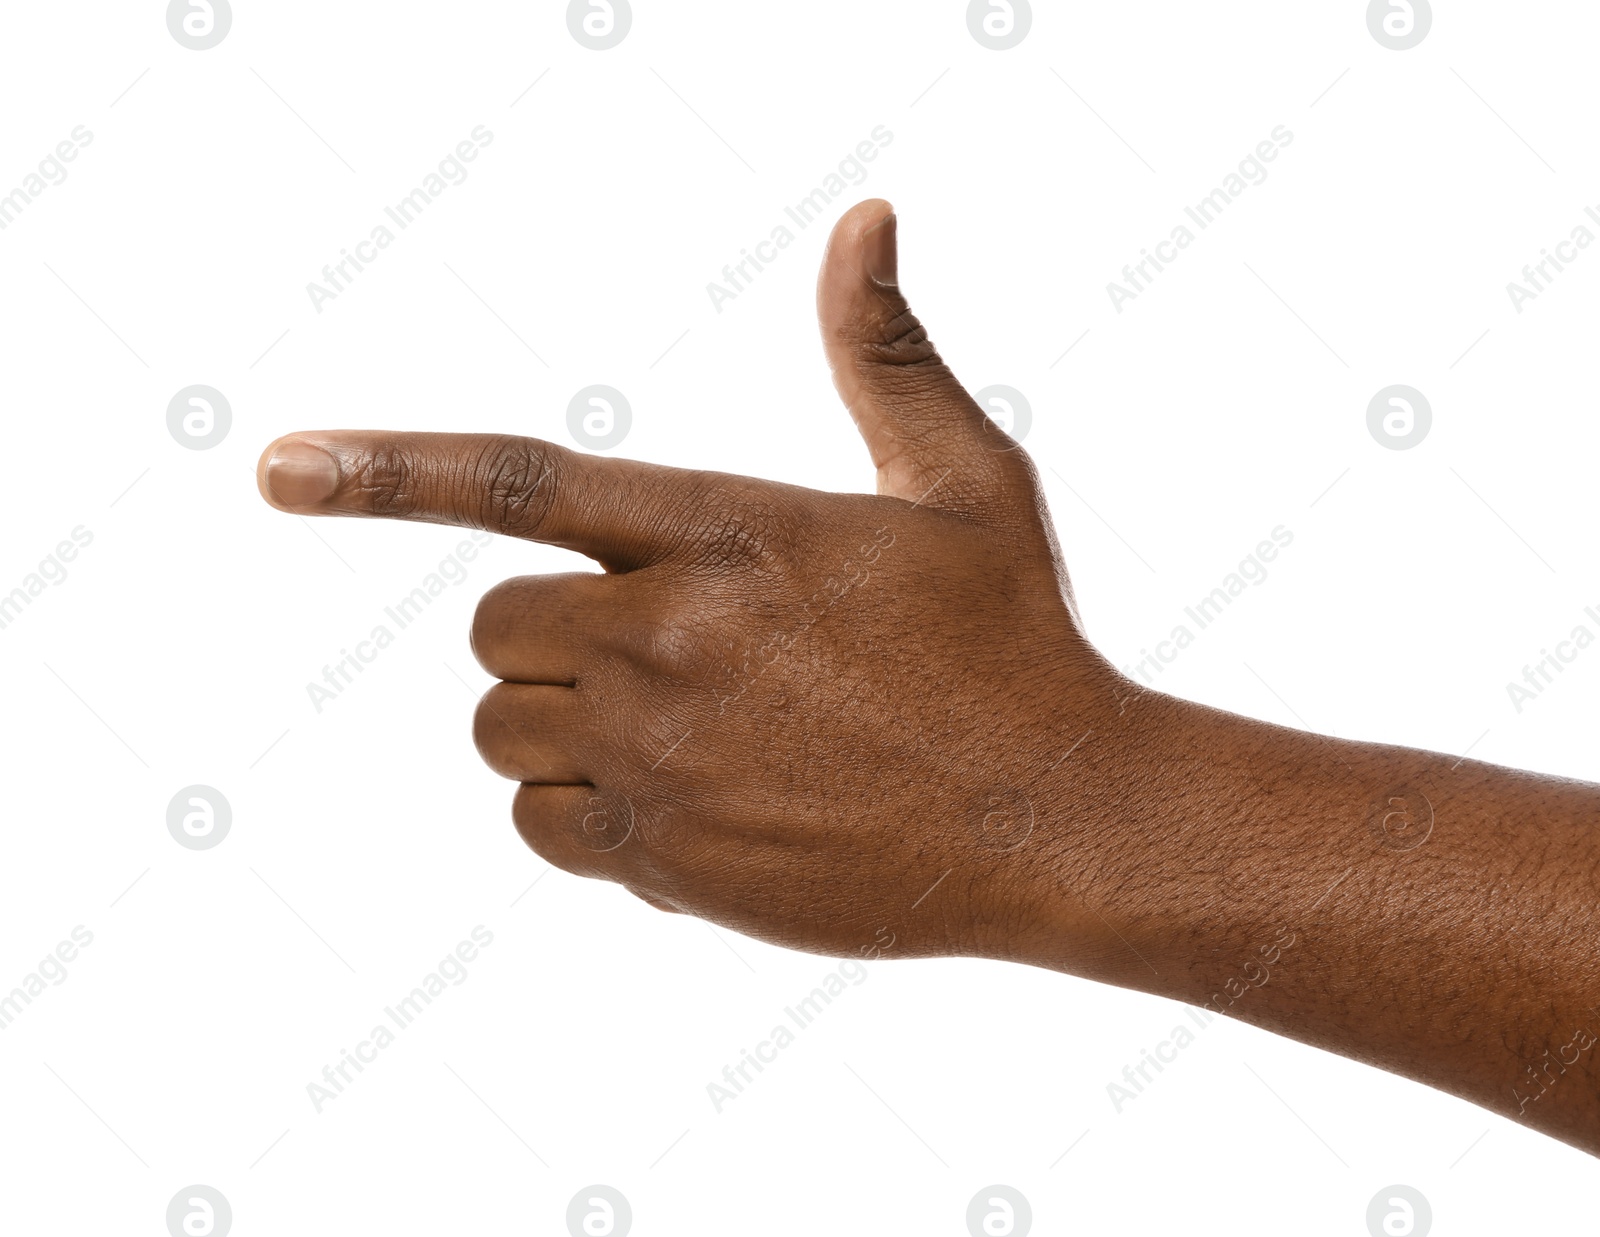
<point>869,725</point>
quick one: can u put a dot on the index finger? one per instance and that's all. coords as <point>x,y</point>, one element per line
<point>621,512</point>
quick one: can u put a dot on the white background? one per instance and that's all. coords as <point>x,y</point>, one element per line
<point>368,840</point>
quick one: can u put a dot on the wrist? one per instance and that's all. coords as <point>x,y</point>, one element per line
<point>1095,889</point>
<point>1175,853</point>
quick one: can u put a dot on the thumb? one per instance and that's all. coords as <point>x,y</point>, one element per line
<point>930,440</point>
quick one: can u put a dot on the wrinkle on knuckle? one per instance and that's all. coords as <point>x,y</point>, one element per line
<point>388,480</point>
<point>901,342</point>
<point>518,485</point>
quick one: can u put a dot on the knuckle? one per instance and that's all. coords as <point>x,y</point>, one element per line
<point>744,528</point>
<point>388,480</point>
<point>901,341</point>
<point>551,830</point>
<point>605,823</point>
<point>675,645</point>
<point>500,598</point>
<point>1014,488</point>
<point>490,728</point>
<point>671,837</point>
<point>537,826</point>
<point>519,483</point>
<point>492,619</point>
<point>1024,474</point>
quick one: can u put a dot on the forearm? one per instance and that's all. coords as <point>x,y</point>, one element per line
<point>1428,915</point>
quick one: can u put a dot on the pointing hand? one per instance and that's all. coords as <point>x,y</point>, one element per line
<point>826,720</point>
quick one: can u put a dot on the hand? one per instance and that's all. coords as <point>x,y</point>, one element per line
<point>827,720</point>
<point>873,724</point>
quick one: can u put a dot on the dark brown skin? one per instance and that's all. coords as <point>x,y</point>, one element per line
<point>868,724</point>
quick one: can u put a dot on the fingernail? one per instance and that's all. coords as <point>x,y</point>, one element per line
<point>880,254</point>
<point>299,474</point>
